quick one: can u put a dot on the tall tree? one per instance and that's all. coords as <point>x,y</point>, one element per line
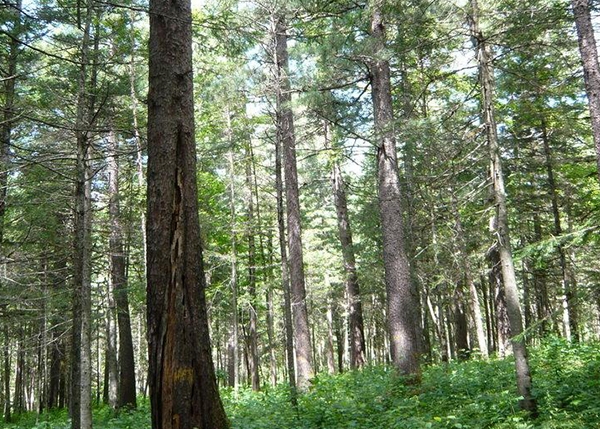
<point>81,364</point>
<point>402,297</point>
<point>183,387</point>
<point>500,228</point>
<point>286,134</point>
<point>591,67</point>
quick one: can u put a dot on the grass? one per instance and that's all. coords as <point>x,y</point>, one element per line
<point>475,394</point>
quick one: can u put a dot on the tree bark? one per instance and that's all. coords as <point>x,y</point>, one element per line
<point>402,298</point>
<point>501,231</point>
<point>183,387</point>
<point>591,67</point>
<point>286,134</point>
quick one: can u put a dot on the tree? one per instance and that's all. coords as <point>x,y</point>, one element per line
<point>183,388</point>
<point>591,67</point>
<point>402,296</point>
<point>287,137</point>
<point>500,222</point>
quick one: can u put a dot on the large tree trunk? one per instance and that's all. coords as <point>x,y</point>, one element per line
<point>355,316</point>
<point>591,67</point>
<point>183,387</point>
<point>402,297</point>
<point>285,132</point>
<point>501,231</point>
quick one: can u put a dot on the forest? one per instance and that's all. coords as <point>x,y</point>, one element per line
<point>299,214</point>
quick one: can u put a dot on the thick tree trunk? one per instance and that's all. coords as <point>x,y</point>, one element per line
<point>501,231</point>
<point>402,298</point>
<point>355,316</point>
<point>286,134</point>
<point>591,67</point>
<point>183,387</point>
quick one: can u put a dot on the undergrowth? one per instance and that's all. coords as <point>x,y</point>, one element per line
<point>476,394</point>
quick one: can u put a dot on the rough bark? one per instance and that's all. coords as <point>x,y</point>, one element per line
<point>183,387</point>
<point>355,316</point>
<point>591,67</point>
<point>402,298</point>
<point>501,231</point>
<point>285,132</point>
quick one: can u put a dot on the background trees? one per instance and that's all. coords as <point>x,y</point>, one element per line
<point>61,87</point>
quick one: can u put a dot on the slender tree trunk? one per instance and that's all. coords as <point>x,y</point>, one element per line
<point>355,316</point>
<point>6,358</point>
<point>285,281</point>
<point>126,379</point>
<point>468,278</point>
<point>252,310</point>
<point>569,312</point>
<point>233,354</point>
<point>501,231</point>
<point>402,297</point>
<point>183,387</point>
<point>591,67</point>
<point>6,126</point>
<point>286,134</point>
<point>81,363</point>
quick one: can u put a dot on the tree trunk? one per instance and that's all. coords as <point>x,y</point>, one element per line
<point>81,364</point>
<point>501,231</point>
<point>468,279</point>
<point>253,360</point>
<point>233,353</point>
<point>569,312</point>
<point>183,387</point>
<point>355,316</point>
<point>591,67</point>
<point>402,297</point>
<point>118,279</point>
<point>285,132</point>
<point>285,281</point>
<point>6,358</point>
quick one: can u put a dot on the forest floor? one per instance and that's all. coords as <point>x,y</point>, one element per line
<point>474,394</point>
